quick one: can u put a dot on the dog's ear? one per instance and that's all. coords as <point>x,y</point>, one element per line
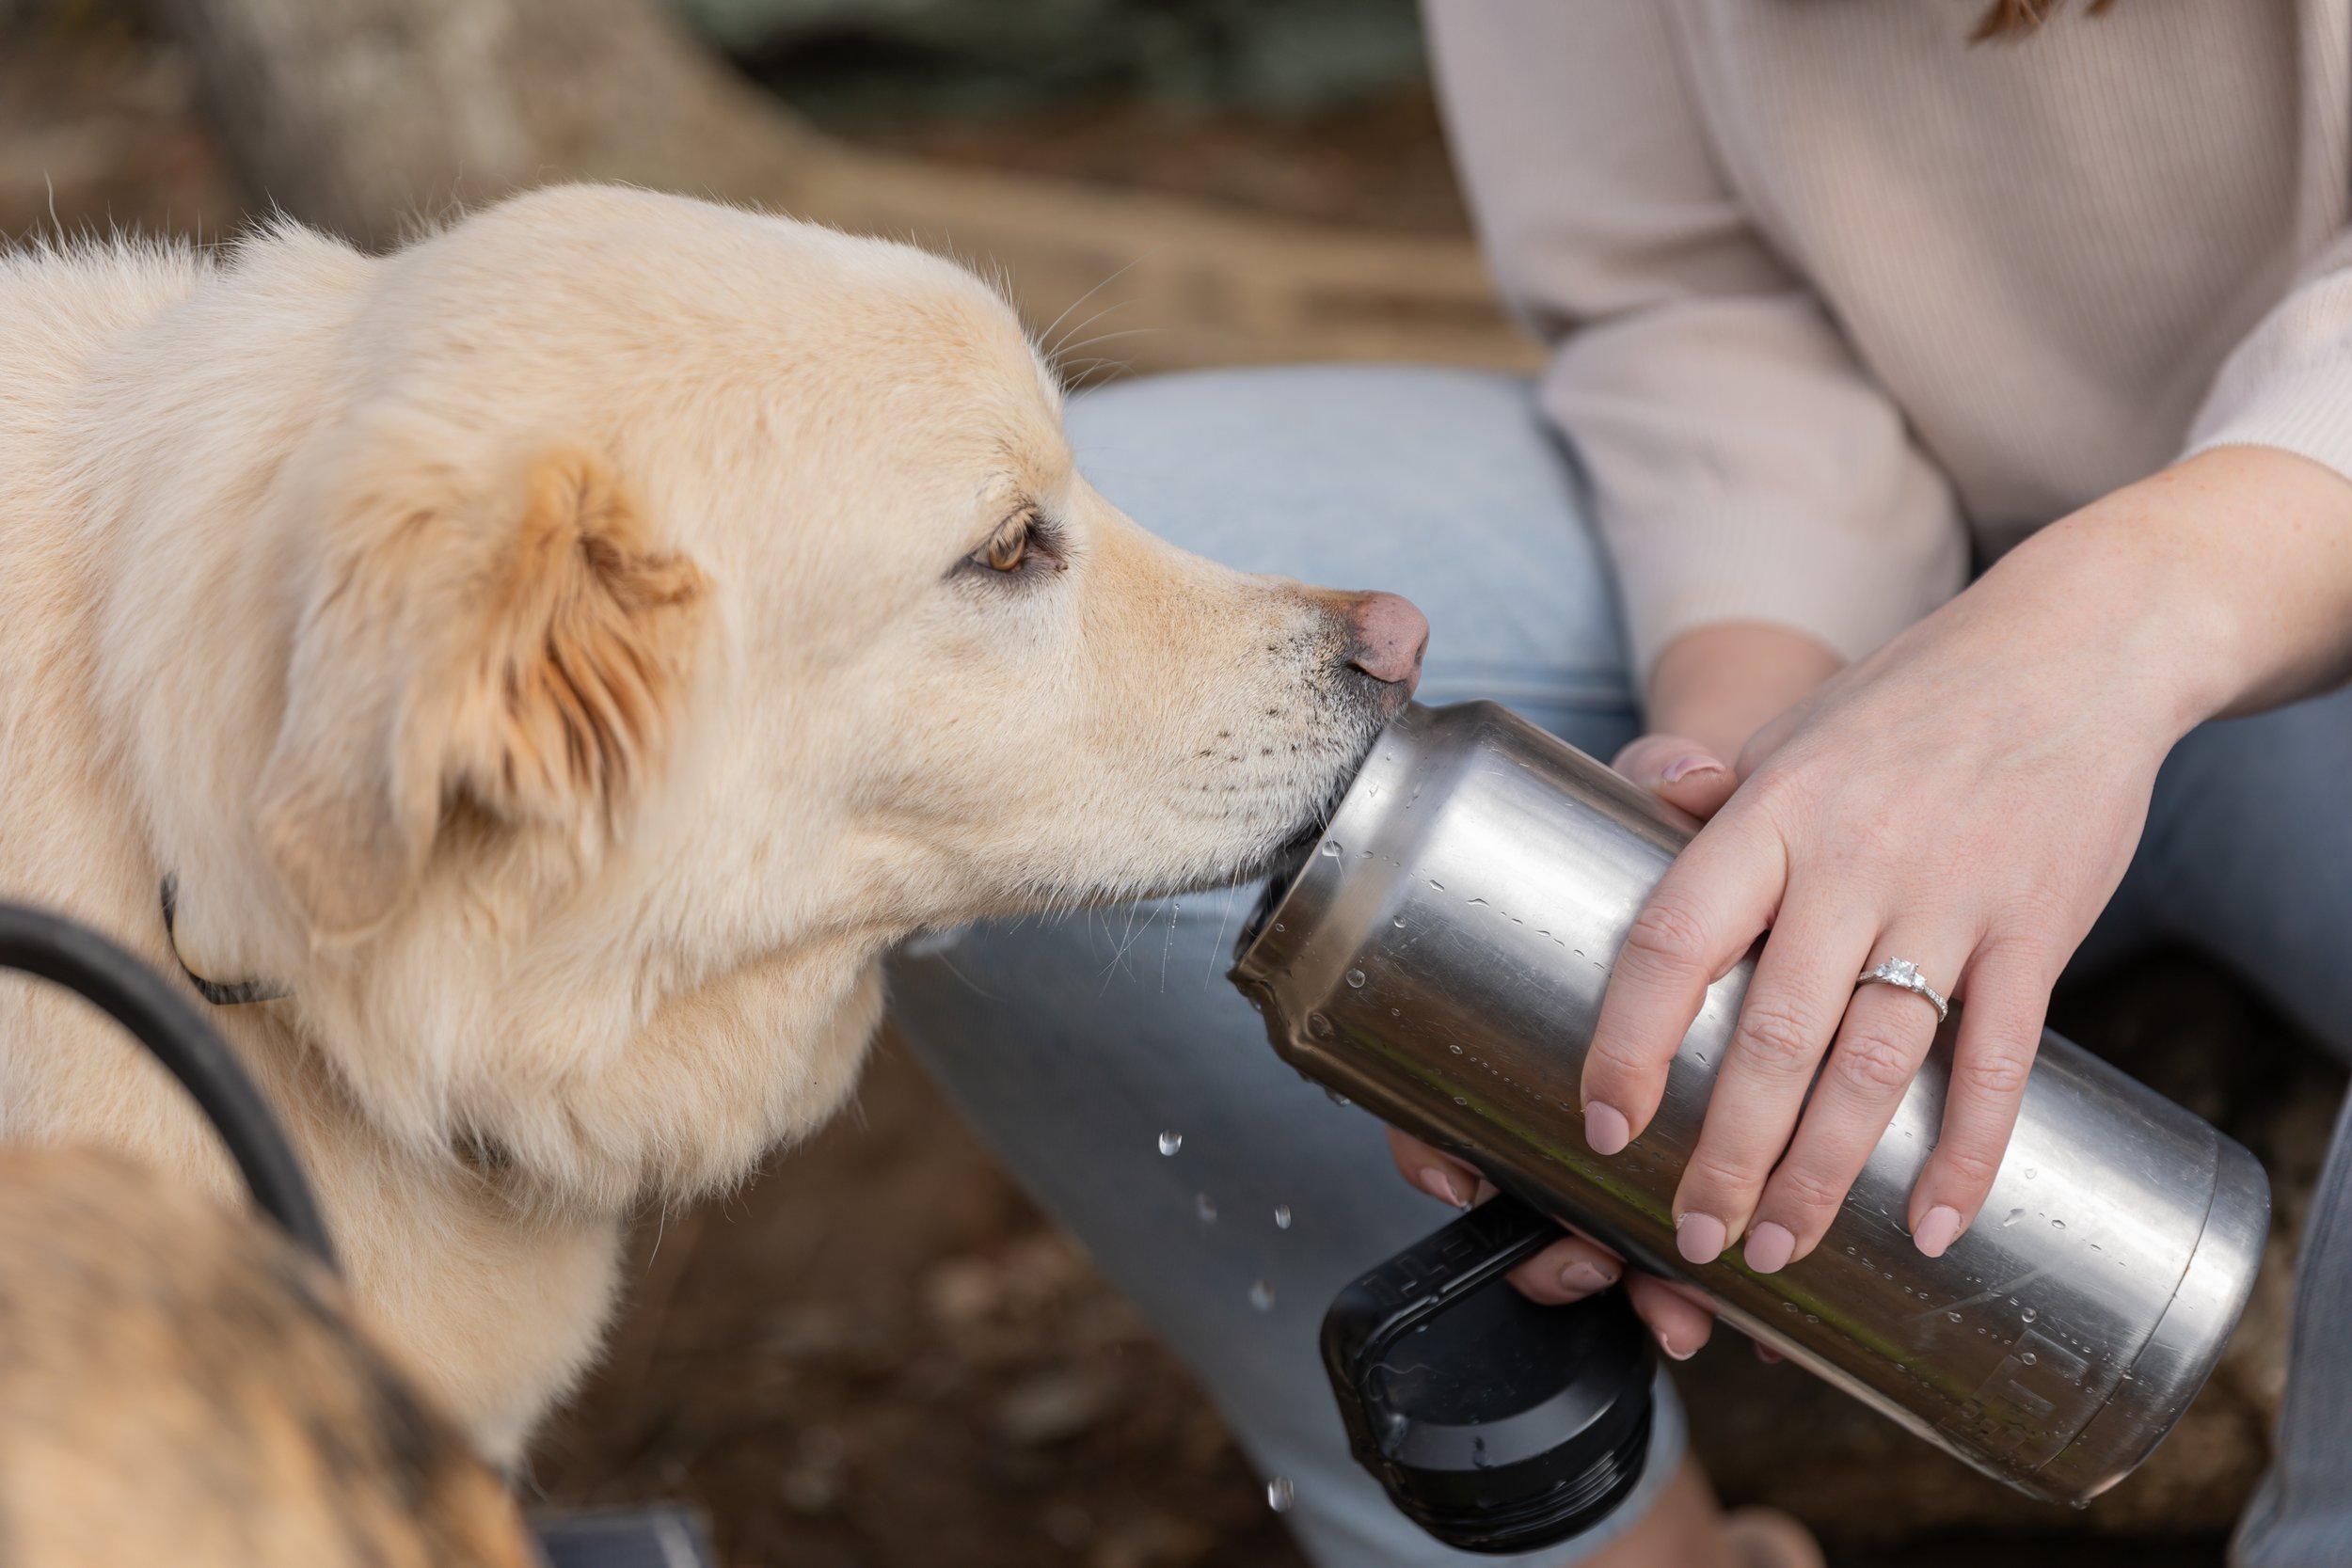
<point>521,658</point>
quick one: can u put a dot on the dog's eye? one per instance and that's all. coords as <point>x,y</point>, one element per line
<point>1009,547</point>
<point>1026,547</point>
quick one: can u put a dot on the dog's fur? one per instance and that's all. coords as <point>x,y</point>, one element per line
<point>179,1385</point>
<point>566,654</point>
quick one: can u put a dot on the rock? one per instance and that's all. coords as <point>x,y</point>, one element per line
<point>1053,1406</point>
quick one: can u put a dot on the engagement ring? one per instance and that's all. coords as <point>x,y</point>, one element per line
<point>1903,974</point>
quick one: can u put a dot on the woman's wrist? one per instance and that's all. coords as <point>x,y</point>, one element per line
<point>1719,684</point>
<point>2221,585</point>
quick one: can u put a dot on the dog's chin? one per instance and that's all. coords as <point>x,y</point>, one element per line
<point>1279,857</point>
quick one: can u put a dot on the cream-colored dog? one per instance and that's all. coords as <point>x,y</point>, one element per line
<point>560,657</point>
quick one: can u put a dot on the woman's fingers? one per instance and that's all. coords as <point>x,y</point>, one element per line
<point>1568,1270</point>
<point>1702,916</point>
<point>1880,1046</point>
<point>1680,771</point>
<point>2000,1030</point>
<point>1441,1175</point>
<point>1677,1317</point>
<point>1795,1003</point>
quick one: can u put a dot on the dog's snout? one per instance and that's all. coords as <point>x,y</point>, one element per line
<point>1390,635</point>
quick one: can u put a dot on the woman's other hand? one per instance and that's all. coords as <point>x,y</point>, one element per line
<point>1721,683</point>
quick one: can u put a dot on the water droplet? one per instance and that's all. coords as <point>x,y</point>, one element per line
<point>2029,1314</point>
<point>1261,1295</point>
<point>2027,1358</point>
<point>1954,1316</point>
<point>1460,1100</point>
<point>1455,1048</point>
<point>1282,1216</point>
<point>1205,1206</point>
<point>2060,1224</point>
<point>1319,1027</point>
<point>1439,885</point>
<point>1338,1098</point>
<point>2031,1173</point>
<point>1811,1319</point>
<point>1788,1307</point>
<point>1331,850</point>
<point>1398,922</point>
<point>2014,1217</point>
<point>1280,926</point>
<point>1170,1140</point>
<point>1355,978</point>
<point>1849,1252</point>
<point>1281,1493</point>
<point>1478,1454</point>
<point>1476,902</point>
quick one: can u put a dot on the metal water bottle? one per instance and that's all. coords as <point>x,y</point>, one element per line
<point>1440,957</point>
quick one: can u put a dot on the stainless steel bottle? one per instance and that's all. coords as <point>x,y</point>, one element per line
<point>1440,957</point>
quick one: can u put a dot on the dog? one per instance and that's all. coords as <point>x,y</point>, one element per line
<point>548,666</point>
<point>179,1384</point>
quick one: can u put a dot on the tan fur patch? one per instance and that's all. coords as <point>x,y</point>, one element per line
<point>179,1385</point>
<point>584,651</point>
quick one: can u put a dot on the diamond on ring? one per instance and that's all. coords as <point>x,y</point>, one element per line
<point>1904,975</point>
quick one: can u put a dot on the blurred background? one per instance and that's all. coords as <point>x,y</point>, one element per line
<point>879,1355</point>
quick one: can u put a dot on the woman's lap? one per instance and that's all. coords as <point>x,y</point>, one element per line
<point>1073,1044</point>
<point>2247,857</point>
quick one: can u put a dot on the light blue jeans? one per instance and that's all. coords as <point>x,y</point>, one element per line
<point>1084,1047</point>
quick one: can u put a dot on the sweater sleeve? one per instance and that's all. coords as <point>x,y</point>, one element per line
<point>2288,384</point>
<point>1742,465</point>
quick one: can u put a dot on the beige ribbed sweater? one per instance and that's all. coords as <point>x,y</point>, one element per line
<point>1829,291</point>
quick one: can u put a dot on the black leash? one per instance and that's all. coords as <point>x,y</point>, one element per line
<point>164,1021</point>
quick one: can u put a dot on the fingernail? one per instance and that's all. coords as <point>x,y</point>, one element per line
<point>1683,767</point>
<point>1440,1185</point>
<point>1770,1247</point>
<point>1700,1237</point>
<point>1938,1230</point>
<point>1584,1279</point>
<point>1668,1346</point>
<point>1606,1131</point>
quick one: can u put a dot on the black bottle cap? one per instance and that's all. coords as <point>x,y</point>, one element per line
<point>1494,1424</point>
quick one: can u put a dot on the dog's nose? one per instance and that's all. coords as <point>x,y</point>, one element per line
<point>1389,637</point>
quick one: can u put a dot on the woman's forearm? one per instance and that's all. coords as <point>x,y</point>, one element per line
<point>2225,580</point>
<point>1719,685</point>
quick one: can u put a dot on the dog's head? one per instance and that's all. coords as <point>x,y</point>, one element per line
<point>678,588</point>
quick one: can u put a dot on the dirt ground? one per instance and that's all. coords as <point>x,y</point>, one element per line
<point>880,1355</point>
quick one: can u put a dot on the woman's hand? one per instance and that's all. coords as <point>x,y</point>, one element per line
<point>1967,798</point>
